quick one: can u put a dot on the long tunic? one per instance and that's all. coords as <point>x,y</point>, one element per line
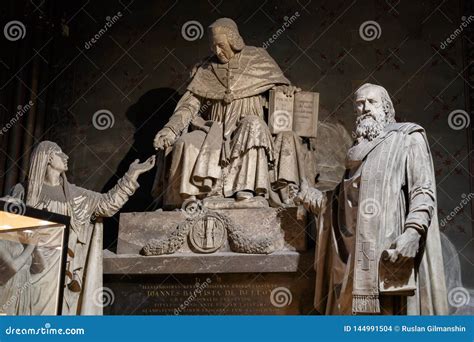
<point>15,292</point>
<point>84,246</point>
<point>389,186</point>
<point>237,138</point>
<point>224,144</point>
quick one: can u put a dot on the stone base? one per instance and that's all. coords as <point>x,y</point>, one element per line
<point>193,263</point>
<point>217,282</point>
<point>289,225</point>
<point>213,293</point>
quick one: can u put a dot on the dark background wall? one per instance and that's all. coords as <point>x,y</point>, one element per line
<point>139,66</point>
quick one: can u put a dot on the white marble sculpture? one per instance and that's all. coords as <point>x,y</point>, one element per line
<point>47,188</point>
<point>221,144</point>
<point>386,202</point>
<point>19,263</point>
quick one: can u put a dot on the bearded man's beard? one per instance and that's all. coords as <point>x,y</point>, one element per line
<point>368,128</point>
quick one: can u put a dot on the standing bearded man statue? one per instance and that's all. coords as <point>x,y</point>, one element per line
<point>386,201</point>
<point>221,143</point>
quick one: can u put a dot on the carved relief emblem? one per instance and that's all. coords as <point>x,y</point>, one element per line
<point>208,233</point>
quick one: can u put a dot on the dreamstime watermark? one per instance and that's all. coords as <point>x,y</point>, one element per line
<point>281,297</point>
<point>103,119</point>
<point>458,297</point>
<point>204,107</point>
<point>14,30</point>
<point>370,30</point>
<point>83,214</point>
<point>199,287</point>
<point>13,299</point>
<point>465,201</point>
<point>21,110</point>
<point>465,23</point>
<point>459,119</point>
<point>46,330</point>
<point>282,119</point>
<point>192,30</point>
<point>369,208</point>
<point>110,22</point>
<point>103,296</point>
<point>191,207</point>
<point>269,219</point>
<point>286,24</point>
<point>14,206</point>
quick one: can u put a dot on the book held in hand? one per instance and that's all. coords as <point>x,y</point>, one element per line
<point>395,278</point>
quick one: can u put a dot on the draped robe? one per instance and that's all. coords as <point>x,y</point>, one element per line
<point>224,143</point>
<point>15,289</point>
<point>389,186</point>
<point>84,245</point>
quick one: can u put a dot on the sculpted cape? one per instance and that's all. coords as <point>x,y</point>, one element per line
<point>251,73</point>
<point>220,124</point>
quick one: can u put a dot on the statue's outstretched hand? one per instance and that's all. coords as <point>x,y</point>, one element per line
<point>164,139</point>
<point>137,168</point>
<point>310,198</point>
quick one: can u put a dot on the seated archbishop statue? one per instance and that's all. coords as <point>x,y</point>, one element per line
<point>221,144</point>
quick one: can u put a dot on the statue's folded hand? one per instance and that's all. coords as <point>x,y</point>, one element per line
<point>310,198</point>
<point>288,90</point>
<point>406,245</point>
<point>164,139</point>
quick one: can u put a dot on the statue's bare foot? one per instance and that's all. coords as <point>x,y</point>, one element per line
<point>243,195</point>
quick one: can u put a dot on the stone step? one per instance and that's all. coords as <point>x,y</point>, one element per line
<point>184,263</point>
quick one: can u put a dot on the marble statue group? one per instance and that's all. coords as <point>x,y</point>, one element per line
<point>217,148</point>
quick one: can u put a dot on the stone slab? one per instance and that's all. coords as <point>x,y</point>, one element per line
<point>136,229</point>
<point>191,263</point>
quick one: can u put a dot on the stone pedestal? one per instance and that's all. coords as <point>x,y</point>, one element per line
<point>191,281</point>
